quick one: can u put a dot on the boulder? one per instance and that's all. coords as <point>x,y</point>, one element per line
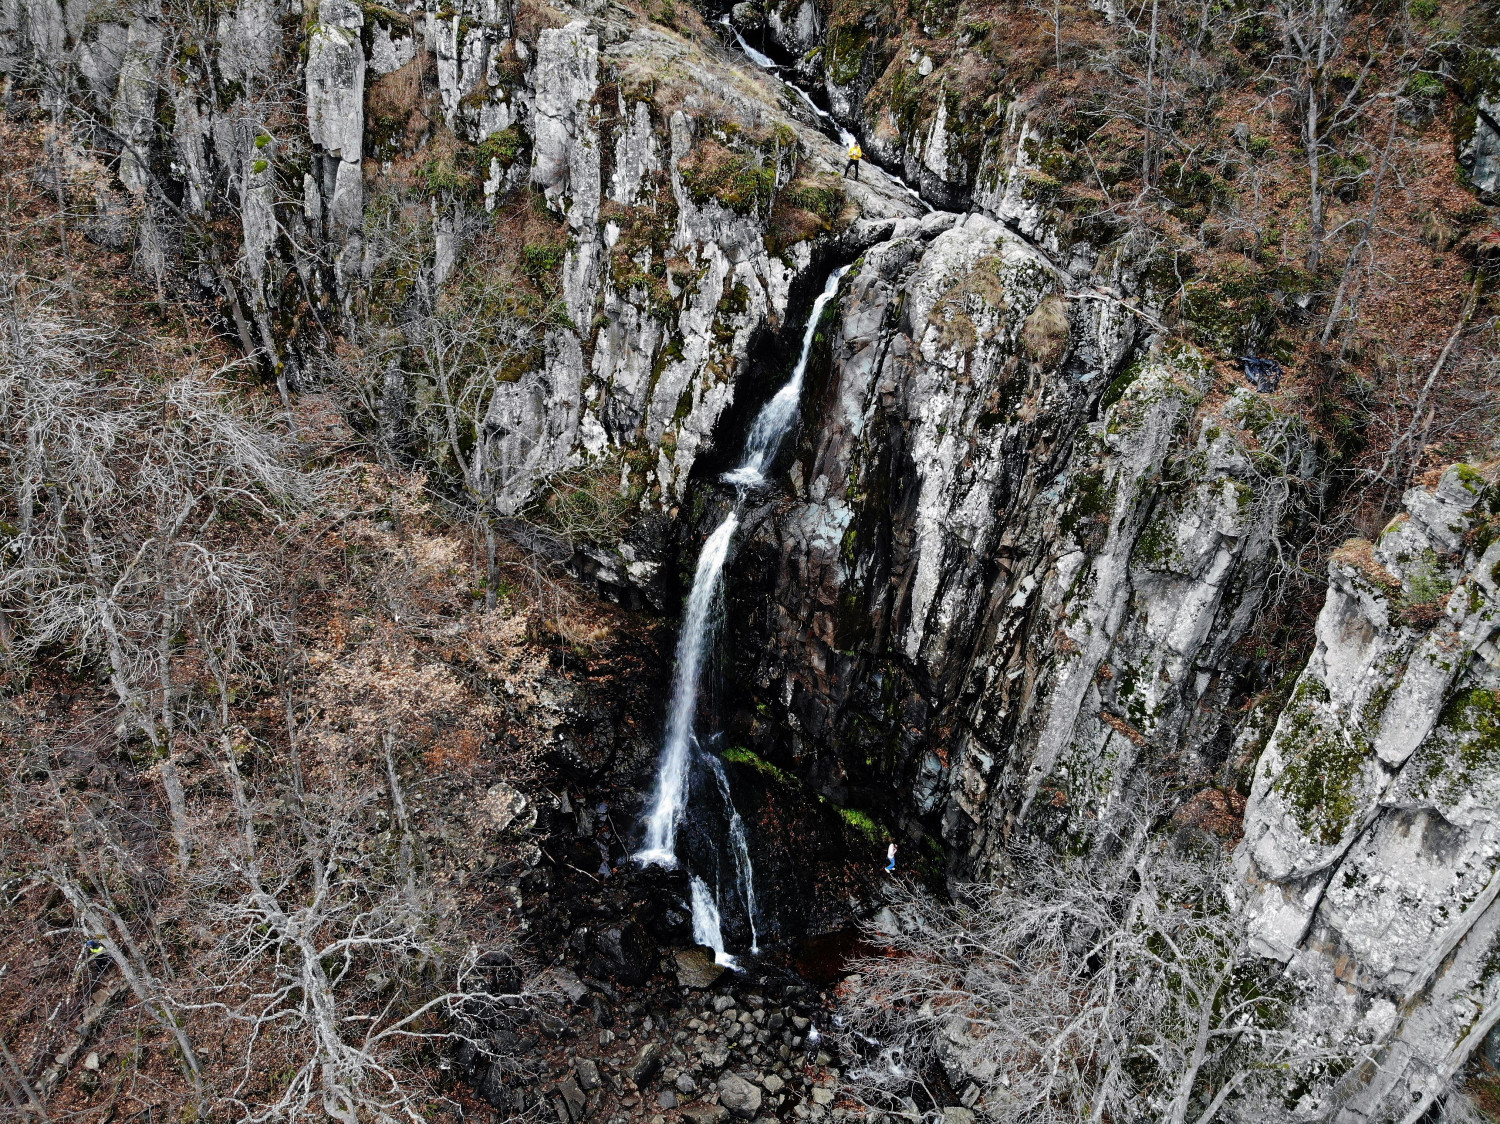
<point>747,17</point>
<point>508,809</point>
<point>492,1088</point>
<point>588,1073</point>
<point>570,985</point>
<point>573,1097</point>
<point>739,1096</point>
<point>697,968</point>
<point>705,1113</point>
<point>646,1063</point>
<point>886,922</point>
<point>625,952</point>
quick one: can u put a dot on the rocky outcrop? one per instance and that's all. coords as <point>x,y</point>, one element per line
<point>1023,549</point>
<point>691,207</point>
<point>1370,839</point>
<point>336,124</point>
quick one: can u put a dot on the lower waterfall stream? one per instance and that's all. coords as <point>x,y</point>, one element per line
<point>682,749</point>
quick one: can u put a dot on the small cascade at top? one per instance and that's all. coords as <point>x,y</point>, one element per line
<point>846,138</point>
<point>681,745</point>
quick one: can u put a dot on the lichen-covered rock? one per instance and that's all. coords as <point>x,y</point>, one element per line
<point>1370,839</point>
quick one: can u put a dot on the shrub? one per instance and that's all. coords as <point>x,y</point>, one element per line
<point>506,146</point>
<point>542,259</point>
<point>741,181</point>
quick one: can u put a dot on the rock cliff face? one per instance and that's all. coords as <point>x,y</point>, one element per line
<point>1371,847</point>
<point>932,100</point>
<point>1024,547</point>
<point>688,199</point>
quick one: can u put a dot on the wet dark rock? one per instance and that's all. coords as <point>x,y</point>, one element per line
<point>573,1096</point>
<point>492,1088</point>
<point>647,1062</point>
<point>571,986</point>
<point>625,952</point>
<point>588,1073</point>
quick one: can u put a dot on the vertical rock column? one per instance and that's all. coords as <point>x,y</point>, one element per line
<point>336,126</point>
<point>565,152</point>
<point>532,424</point>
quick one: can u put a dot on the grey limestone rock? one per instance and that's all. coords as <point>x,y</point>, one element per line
<point>739,1096</point>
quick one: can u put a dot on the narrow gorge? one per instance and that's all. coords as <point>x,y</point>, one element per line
<point>513,506</point>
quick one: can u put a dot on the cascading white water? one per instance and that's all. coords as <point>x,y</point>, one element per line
<point>777,415</point>
<point>675,766</point>
<point>846,138</point>
<point>707,929</point>
<point>740,847</point>
<point>759,58</point>
<point>676,753</point>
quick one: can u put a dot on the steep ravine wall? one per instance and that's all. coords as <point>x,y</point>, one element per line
<point>272,156</point>
<point>936,107</point>
<point>1372,836</point>
<point>1024,546</point>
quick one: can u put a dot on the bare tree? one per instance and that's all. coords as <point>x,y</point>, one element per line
<point>470,345</point>
<point>126,493</point>
<point>1073,993</point>
<point>1314,39</point>
<point>326,949</point>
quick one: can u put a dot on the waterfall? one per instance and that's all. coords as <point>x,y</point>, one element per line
<point>759,58</point>
<point>676,753</point>
<point>740,848</point>
<point>846,138</point>
<point>693,641</point>
<point>777,415</point>
<point>707,930</point>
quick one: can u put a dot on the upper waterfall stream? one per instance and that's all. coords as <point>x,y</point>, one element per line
<point>845,137</point>
<point>681,743</point>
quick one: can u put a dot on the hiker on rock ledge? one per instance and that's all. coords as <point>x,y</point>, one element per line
<point>856,154</point>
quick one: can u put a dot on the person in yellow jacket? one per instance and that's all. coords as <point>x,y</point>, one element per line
<point>856,154</point>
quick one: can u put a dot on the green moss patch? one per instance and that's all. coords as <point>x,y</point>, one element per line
<point>1321,781</point>
<point>862,823</point>
<point>741,181</point>
<point>739,755</point>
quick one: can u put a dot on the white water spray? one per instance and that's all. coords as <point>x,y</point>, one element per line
<point>759,58</point>
<point>777,415</point>
<point>707,929</point>
<point>676,753</point>
<point>740,847</point>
